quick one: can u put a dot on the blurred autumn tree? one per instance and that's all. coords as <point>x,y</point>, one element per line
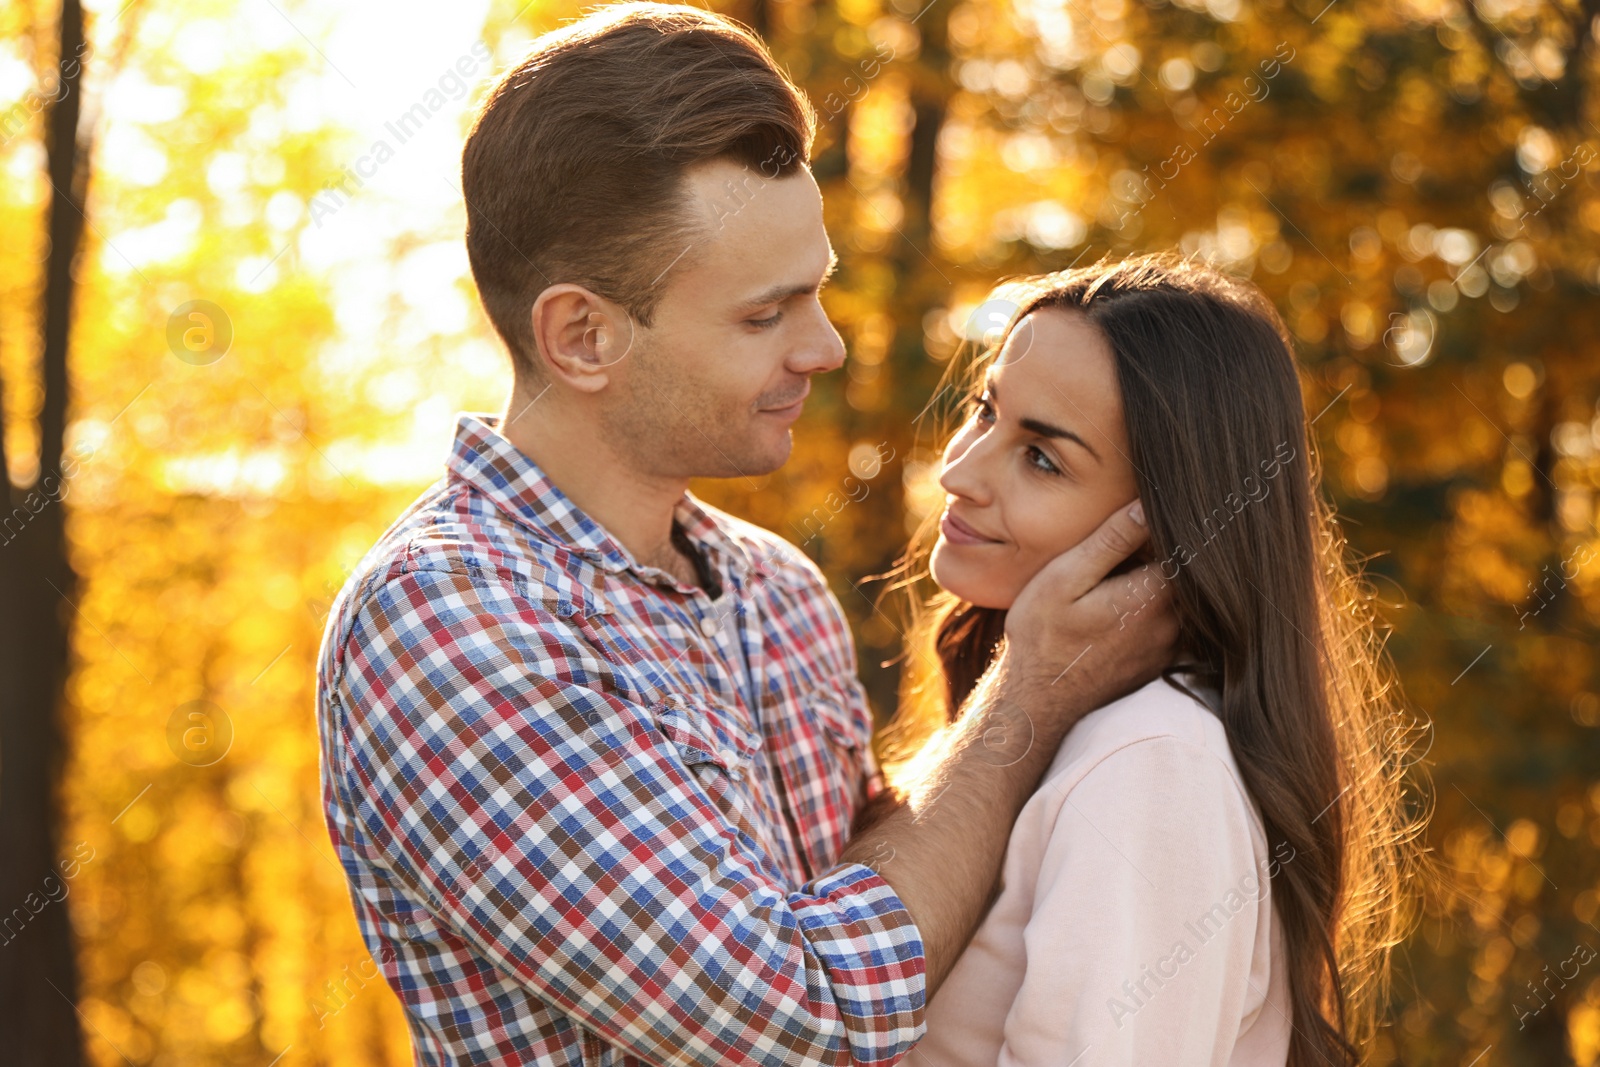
<point>222,482</point>
<point>38,973</point>
<point>1412,183</point>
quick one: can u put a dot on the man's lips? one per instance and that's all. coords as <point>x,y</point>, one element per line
<point>792,407</point>
<point>961,533</point>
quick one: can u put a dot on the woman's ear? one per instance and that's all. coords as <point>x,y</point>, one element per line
<point>580,335</point>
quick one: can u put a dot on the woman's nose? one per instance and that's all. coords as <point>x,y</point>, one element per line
<point>962,473</point>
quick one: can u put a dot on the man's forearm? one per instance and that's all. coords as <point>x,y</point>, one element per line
<point>941,849</point>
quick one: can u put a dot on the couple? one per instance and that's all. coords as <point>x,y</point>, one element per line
<point>595,757</point>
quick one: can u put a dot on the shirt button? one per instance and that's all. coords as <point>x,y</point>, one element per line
<point>730,758</point>
<point>708,626</point>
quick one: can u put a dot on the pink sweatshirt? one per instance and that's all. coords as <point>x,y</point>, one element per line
<point>1134,921</point>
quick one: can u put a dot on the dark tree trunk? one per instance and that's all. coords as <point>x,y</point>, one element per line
<point>760,18</point>
<point>930,89</point>
<point>916,247</point>
<point>38,974</point>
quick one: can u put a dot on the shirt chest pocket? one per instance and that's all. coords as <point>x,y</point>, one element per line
<point>717,751</point>
<point>823,757</point>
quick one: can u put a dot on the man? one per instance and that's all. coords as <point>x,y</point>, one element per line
<point>591,748</point>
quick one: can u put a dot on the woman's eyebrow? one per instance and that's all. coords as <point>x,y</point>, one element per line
<point>1044,429</point>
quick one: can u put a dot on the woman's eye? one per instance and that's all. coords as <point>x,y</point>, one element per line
<point>1040,461</point>
<point>982,409</point>
<point>766,323</point>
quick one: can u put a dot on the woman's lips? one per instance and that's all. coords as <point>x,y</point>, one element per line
<point>960,533</point>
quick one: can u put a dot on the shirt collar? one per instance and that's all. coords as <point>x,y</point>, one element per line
<point>518,486</point>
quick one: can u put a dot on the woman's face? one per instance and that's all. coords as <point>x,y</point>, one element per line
<point>1041,461</point>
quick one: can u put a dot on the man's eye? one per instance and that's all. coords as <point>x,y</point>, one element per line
<point>767,323</point>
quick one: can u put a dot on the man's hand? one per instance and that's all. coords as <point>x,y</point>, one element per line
<point>1075,639</point>
<point>1078,625</point>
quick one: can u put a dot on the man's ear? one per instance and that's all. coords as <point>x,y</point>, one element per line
<point>580,335</point>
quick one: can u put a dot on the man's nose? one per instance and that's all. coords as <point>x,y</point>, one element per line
<point>823,349</point>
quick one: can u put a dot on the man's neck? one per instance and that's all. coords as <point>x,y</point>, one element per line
<point>634,508</point>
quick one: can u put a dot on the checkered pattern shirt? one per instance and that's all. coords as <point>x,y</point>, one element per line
<point>591,814</point>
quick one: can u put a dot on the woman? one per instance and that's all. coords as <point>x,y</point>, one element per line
<point>1210,871</point>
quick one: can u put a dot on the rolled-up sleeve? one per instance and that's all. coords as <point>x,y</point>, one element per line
<point>552,826</point>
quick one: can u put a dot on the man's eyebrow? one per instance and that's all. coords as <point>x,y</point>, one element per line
<point>784,291</point>
<point>1043,429</point>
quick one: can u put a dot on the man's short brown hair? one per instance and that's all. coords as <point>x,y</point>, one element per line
<point>573,171</point>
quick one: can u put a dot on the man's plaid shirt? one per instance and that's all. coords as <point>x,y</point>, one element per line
<point>591,814</point>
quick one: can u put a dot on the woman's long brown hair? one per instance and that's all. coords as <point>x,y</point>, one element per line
<point>1269,606</point>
